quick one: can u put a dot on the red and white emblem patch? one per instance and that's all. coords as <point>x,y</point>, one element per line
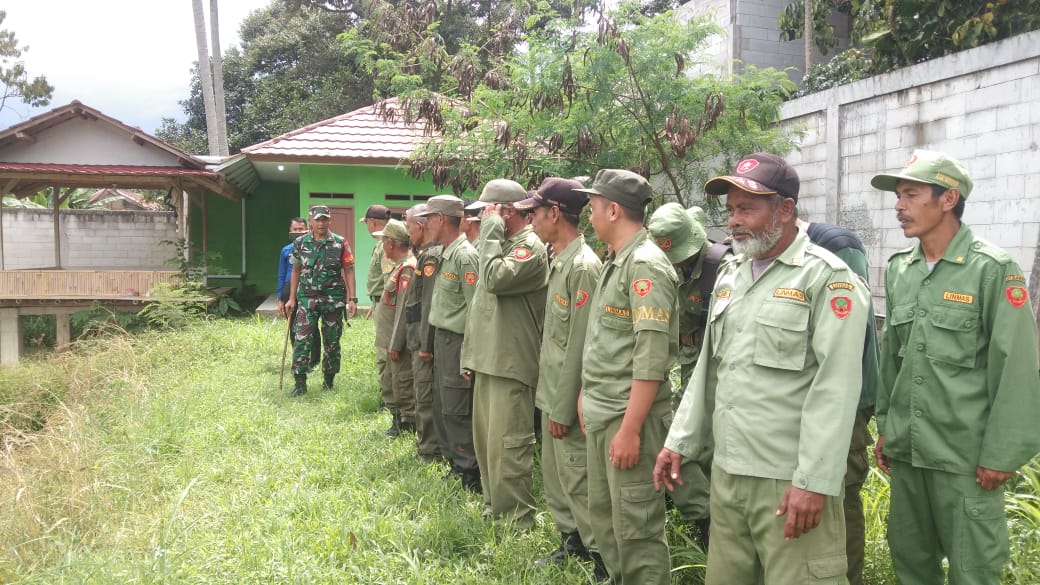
<point>471,277</point>
<point>1017,296</point>
<point>642,286</point>
<point>841,306</point>
<point>747,165</point>
<point>664,244</point>
<point>428,270</point>
<point>580,298</point>
<point>521,254</point>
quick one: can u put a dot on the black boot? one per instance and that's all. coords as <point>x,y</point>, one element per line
<point>599,570</point>
<point>329,379</point>
<point>471,481</point>
<point>704,530</point>
<point>395,426</point>
<point>570,545</point>
<point>406,426</point>
<point>301,385</point>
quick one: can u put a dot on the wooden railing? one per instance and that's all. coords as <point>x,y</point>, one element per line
<point>81,284</point>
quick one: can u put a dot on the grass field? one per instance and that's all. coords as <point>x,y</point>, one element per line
<point>174,458</point>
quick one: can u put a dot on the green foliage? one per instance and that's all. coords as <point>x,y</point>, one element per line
<point>848,66</point>
<point>898,33</point>
<point>631,94</point>
<point>15,78</point>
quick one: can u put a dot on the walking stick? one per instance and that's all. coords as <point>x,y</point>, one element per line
<point>285,345</point>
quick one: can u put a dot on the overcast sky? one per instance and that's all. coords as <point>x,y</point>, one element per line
<point>130,59</point>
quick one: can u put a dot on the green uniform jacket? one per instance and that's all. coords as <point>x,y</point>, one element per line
<point>959,374</point>
<point>321,264</point>
<point>572,280</point>
<point>453,289</point>
<point>691,309</point>
<point>378,268</point>
<point>415,331</point>
<point>775,391</point>
<point>504,330</point>
<point>386,312</point>
<point>633,330</point>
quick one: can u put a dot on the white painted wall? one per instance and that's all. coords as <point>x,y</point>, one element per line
<point>90,239</point>
<point>87,142</point>
<point>981,106</point>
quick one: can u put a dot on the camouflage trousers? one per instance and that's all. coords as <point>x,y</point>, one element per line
<point>307,315</point>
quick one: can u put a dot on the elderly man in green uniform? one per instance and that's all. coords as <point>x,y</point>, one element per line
<point>390,329</point>
<point>417,331</point>
<point>681,236</point>
<point>322,283</point>
<point>556,208</point>
<point>773,396</point>
<point>625,404</point>
<point>375,218</point>
<point>503,334</point>
<point>453,291</point>
<point>959,398</point>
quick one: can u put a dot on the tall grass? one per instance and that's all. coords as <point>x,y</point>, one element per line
<point>174,458</point>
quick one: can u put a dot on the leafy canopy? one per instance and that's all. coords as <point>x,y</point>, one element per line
<point>14,77</point>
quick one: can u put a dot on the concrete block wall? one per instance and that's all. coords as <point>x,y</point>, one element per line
<point>89,239</point>
<point>981,106</point>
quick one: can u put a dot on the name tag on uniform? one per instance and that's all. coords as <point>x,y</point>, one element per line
<point>450,275</point>
<point>958,298</point>
<point>789,293</point>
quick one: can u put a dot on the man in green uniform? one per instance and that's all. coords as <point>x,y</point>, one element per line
<point>684,241</point>
<point>574,269</point>
<point>322,279</point>
<point>452,292</point>
<point>625,405</point>
<point>503,333</point>
<point>390,329</point>
<point>773,396</point>
<point>417,330</point>
<point>375,218</point>
<point>959,397</point>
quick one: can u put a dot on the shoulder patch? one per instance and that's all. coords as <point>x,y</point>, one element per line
<point>642,286</point>
<point>841,285</point>
<point>428,270</point>
<point>1014,278</point>
<point>580,298</point>
<point>471,277</point>
<point>1017,296</point>
<point>841,306</point>
<point>664,243</point>
<point>522,254</point>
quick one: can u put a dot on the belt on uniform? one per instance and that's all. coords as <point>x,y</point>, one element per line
<point>375,299</point>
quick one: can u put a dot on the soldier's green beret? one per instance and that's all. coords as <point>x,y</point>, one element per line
<point>625,188</point>
<point>929,166</point>
<point>676,233</point>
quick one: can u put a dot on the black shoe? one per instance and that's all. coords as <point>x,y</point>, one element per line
<point>599,570</point>
<point>301,386</point>
<point>570,546</point>
<point>471,481</point>
<point>329,379</point>
<point>704,533</point>
<point>395,427</point>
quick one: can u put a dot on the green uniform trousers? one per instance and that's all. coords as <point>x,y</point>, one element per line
<point>626,513</point>
<point>422,380</point>
<point>305,332</point>
<point>856,471</point>
<point>386,388</point>
<point>747,537</point>
<point>565,478</point>
<point>503,438</point>
<point>402,384</point>
<point>452,402</point>
<point>935,514</point>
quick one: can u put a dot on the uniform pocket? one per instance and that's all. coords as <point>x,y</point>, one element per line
<point>830,569</point>
<point>954,338</point>
<point>782,338</point>
<point>983,533</point>
<point>560,322</point>
<point>518,455</point>
<point>642,511</point>
<point>456,401</point>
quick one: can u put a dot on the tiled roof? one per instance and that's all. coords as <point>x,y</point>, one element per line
<point>358,136</point>
<point>118,170</point>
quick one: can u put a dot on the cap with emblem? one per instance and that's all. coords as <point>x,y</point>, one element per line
<point>760,173</point>
<point>499,191</point>
<point>563,193</point>
<point>676,232</point>
<point>443,205</point>
<point>929,166</point>
<point>394,229</point>
<point>380,212</point>
<point>317,211</point>
<point>625,188</point>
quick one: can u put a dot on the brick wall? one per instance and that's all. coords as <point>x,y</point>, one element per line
<point>981,106</point>
<point>89,239</point>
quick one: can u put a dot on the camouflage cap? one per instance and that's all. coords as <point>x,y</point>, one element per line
<point>929,166</point>
<point>627,189</point>
<point>317,211</point>
<point>499,191</point>
<point>449,205</point>
<point>676,232</point>
<point>394,229</point>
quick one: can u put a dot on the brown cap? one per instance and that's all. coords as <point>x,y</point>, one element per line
<point>625,188</point>
<point>380,212</point>
<point>760,173</point>
<point>442,205</point>
<point>562,193</point>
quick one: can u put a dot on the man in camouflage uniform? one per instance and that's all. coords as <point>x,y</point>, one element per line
<point>503,334</point>
<point>453,290</point>
<point>417,329</point>
<point>390,329</point>
<point>379,266</point>
<point>322,283</point>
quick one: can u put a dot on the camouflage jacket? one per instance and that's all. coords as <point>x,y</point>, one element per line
<point>321,266</point>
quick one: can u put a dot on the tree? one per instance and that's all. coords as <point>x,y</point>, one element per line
<point>218,79</point>
<point>630,94</point>
<point>15,79</point>
<point>207,77</point>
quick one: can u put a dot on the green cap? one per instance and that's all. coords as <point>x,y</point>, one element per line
<point>697,215</point>
<point>929,166</point>
<point>625,188</point>
<point>499,191</point>
<point>394,229</point>
<point>449,205</point>
<point>676,232</point>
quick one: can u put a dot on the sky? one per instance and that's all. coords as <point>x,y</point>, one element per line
<point>130,59</point>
